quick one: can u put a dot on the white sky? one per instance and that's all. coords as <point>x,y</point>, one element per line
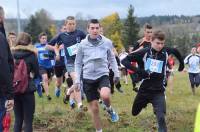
<point>59,9</point>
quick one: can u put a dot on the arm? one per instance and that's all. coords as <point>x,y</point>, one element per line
<point>35,67</point>
<point>113,62</point>
<point>135,56</point>
<point>177,54</point>
<point>5,71</point>
<point>186,60</point>
<point>78,64</point>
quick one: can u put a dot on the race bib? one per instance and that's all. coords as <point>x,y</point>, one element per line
<point>43,57</point>
<point>153,65</point>
<point>72,50</point>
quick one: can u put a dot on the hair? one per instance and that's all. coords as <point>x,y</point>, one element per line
<point>24,39</point>
<point>12,33</point>
<point>160,35</point>
<point>1,11</point>
<point>69,18</point>
<point>42,34</point>
<point>147,26</point>
<point>93,21</point>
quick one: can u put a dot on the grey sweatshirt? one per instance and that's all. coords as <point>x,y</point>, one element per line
<point>93,59</point>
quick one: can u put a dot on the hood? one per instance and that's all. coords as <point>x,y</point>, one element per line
<point>21,51</point>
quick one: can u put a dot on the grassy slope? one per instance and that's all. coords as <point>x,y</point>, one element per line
<point>55,116</point>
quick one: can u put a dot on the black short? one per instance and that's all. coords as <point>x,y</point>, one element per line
<point>59,71</point>
<point>48,71</point>
<point>91,87</point>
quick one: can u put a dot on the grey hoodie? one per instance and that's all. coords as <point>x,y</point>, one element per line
<point>93,60</point>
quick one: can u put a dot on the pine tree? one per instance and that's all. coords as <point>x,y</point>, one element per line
<point>131,28</point>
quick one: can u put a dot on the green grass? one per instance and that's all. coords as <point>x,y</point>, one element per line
<point>55,116</point>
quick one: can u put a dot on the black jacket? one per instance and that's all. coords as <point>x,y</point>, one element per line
<point>152,81</point>
<point>28,53</point>
<point>6,68</point>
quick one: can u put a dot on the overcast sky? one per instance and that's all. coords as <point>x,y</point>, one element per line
<point>59,9</point>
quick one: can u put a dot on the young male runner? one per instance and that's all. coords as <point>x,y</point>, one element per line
<point>93,57</point>
<point>152,63</point>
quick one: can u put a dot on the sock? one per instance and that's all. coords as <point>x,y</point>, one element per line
<point>79,104</point>
<point>109,108</point>
<point>100,130</point>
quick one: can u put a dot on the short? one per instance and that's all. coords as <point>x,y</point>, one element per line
<point>48,71</point>
<point>59,71</point>
<point>70,67</point>
<point>194,79</point>
<point>91,87</point>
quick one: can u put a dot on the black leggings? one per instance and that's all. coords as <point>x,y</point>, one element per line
<point>24,109</point>
<point>159,106</point>
<point>194,79</point>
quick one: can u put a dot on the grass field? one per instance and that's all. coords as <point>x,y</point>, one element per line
<point>55,116</point>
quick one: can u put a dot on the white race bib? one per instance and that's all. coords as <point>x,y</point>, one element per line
<point>72,50</point>
<point>153,65</point>
<point>42,57</point>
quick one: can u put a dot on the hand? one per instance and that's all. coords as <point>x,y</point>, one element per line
<point>181,67</point>
<point>9,105</point>
<point>116,80</point>
<point>61,46</point>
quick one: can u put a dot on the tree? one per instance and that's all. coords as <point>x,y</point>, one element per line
<point>112,27</point>
<point>131,28</point>
<point>40,22</point>
<point>116,38</point>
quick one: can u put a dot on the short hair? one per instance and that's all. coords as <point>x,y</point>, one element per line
<point>158,34</point>
<point>93,21</point>
<point>24,39</point>
<point>12,33</point>
<point>69,18</point>
<point>147,26</point>
<point>42,34</point>
<point>1,11</point>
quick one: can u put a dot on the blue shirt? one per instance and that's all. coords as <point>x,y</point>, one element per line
<point>68,39</point>
<point>45,57</point>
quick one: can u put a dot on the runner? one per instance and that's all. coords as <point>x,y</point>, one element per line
<point>46,62</point>
<point>193,61</point>
<point>152,69</point>
<point>94,55</point>
<point>70,40</point>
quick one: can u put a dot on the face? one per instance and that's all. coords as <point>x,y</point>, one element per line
<point>12,38</point>
<point>193,51</point>
<point>94,30</point>
<point>158,44</point>
<point>43,39</point>
<point>148,33</point>
<point>70,25</point>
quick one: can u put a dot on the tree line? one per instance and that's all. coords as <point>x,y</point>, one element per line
<point>182,31</point>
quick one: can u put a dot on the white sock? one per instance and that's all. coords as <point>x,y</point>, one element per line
<point>79,104</point>
<point>100,130</point>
